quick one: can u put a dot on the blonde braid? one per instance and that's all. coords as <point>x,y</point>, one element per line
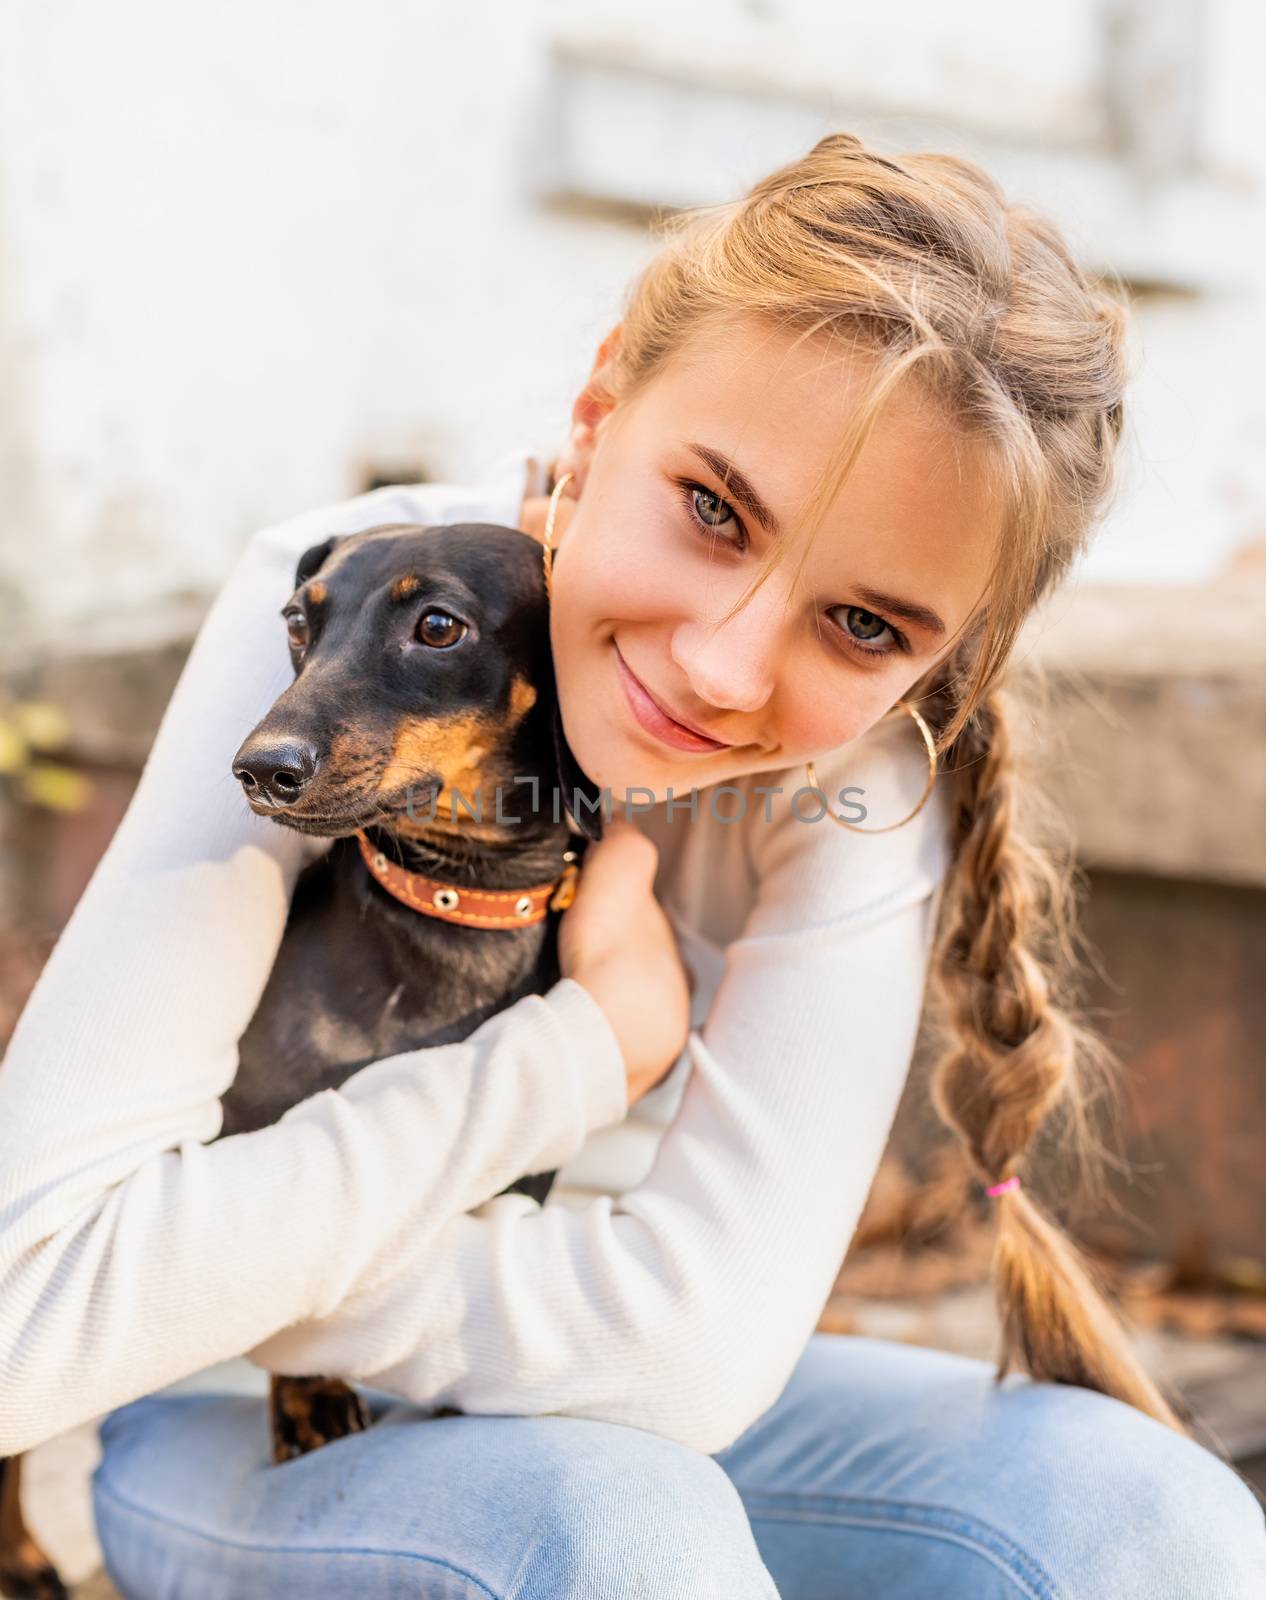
<point>1016,1055</point>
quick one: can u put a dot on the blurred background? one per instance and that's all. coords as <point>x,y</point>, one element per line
<point>254,259</point>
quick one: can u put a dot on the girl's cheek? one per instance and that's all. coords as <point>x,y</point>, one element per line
<point>625,588</point>
<point>826,719</point>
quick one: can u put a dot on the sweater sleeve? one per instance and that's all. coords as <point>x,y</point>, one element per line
<point>132,1250</point>
<point>682,1306</point>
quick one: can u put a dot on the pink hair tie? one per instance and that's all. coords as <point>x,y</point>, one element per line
<point>1012,1182</point>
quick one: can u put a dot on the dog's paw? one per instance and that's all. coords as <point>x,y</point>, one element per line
<point>310,1412</point>
<point>32,1577</point>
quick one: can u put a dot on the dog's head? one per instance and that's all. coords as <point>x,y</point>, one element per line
<point>423,690</point>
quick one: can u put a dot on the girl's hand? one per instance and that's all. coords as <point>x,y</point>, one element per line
<point>615,940</point>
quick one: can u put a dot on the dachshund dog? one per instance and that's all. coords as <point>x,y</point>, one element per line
<point>422,735</point>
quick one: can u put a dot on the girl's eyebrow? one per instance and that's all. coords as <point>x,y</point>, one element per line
<point>921,616</point>
<point>741,487</point>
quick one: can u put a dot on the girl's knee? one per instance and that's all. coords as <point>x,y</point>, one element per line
<point>647,1517</point>
<point>1136,1509</point>
<point>516,1507</point>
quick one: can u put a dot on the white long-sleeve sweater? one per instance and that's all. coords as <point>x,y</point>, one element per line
<point>686,1251</point>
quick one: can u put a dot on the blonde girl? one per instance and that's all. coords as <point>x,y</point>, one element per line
<point>848,431</point>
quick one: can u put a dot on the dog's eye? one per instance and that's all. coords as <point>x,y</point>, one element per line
<point>296,629</point>
<point>437,628</point>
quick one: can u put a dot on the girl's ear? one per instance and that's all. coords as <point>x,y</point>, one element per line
<point>607,349</point>
<point>590,406</point>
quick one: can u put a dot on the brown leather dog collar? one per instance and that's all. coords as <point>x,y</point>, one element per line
<point>472,908</point>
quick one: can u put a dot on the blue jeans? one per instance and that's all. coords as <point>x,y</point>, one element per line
<point>883,1471</point>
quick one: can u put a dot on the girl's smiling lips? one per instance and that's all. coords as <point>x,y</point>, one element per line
<point>656,719</point>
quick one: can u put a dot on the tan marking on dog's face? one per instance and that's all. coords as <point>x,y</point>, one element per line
<point>402,588</point>
<point>316,592</point>
<point>454,747</point>
<point>522,699</point>
<point>466,751</point>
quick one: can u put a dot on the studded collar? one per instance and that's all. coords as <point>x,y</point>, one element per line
<point>471,908</point>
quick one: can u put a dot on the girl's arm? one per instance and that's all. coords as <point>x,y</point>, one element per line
<point>683,1306</point>
<point>132,1252</point>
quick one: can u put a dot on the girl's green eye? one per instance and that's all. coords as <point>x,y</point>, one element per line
<point>710,513</point>
<point>871,625</point>
<point>711,510</point>
<point>861,627</point>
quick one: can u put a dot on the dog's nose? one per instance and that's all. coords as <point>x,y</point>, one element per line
<point>277,772</point>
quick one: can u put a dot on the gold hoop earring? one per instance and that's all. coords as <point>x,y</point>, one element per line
<point>930,743</point>
<point>547,543</point>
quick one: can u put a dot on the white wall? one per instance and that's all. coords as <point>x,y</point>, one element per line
<point>245,250</point>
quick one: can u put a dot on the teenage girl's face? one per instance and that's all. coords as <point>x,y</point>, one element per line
<point>656,548</point>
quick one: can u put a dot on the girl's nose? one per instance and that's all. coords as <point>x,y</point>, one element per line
<point>733,664</point>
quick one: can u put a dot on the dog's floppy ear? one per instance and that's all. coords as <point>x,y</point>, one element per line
<point>580,796</point>
<point>313,558</point>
